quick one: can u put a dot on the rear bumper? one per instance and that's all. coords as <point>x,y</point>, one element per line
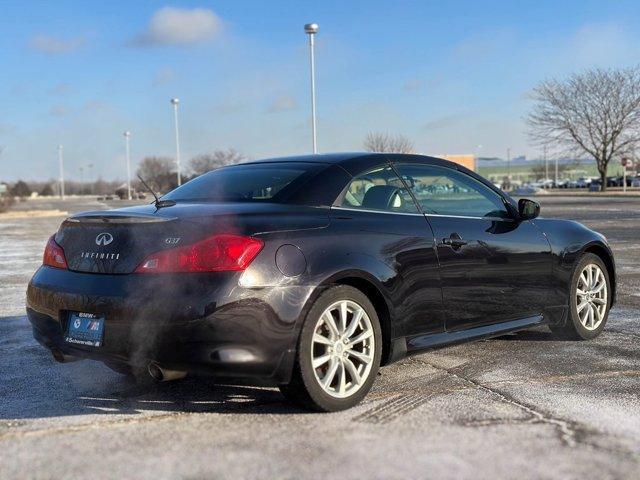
<point>200,323</point>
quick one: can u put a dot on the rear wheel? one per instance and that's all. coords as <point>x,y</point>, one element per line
<point>589,300</point>
<point>338,353</point>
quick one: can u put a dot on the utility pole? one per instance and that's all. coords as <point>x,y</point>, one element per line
<point>61,162</point>
<point>90,167</point>
<point>546,164</point>
<point>127,135</point>
<point>509,164</point>
<point>311,29</point>
<point>175,102</point>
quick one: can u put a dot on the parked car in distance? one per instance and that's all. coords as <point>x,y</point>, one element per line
<point>310,273</point>
<point>583,182</point>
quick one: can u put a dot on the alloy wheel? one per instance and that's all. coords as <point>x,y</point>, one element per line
<point>591,297</point>
<point>342,349</point>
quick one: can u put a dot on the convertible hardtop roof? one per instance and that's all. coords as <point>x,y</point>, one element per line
<point>355,162</point>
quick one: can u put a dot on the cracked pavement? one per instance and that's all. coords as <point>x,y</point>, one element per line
<point>524,405</point>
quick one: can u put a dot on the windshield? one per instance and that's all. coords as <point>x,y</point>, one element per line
<point>258,182</point>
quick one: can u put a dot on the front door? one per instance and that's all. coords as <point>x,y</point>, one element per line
<point>377,214</point>
<point>493,267</point>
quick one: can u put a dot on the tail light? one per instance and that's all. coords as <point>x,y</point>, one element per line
<point>214,254</point>
<point>54,255</point>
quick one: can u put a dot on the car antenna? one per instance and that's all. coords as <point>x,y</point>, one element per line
<point>157,202</point>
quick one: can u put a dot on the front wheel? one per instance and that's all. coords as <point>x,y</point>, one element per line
<point>589,300</point>
<point>338,353</point>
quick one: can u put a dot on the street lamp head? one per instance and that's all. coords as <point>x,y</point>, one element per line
<point>175,101</point>
<point>311,28</point>
<point>127,133</point>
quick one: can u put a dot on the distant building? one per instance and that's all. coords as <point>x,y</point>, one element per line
<point>466,160</point>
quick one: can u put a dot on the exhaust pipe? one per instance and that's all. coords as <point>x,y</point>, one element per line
<point>60,357</point>
<point>163,374</point>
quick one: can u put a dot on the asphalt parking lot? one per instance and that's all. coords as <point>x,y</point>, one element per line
<point>523,405</point>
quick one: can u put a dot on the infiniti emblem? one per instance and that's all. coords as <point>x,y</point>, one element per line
<point>104,239</point>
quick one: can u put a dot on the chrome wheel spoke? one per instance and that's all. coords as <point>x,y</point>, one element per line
<point>331,373</point>
<point>582,305</point>
<point>360,338</point>
<point>331,323</point>
<point>360,356</point>
<point>342,379</point>
<point>357,316</point>
<point>353,371</point>
<point>599,301</point>
<point>344,311</point>
<point>597,313</point>
<point>319,361</point>
<point>317,338</point>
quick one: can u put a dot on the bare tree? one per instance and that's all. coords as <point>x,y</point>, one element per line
<point>158,173</point>
<point>216,159</point>
<point>384,142</point>
<point>595,113</point>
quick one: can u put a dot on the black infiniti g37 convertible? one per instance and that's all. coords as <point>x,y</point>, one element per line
<point>309,273</point>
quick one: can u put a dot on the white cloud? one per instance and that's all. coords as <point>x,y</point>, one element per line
<point>55,46</point>
<point>95,106</point>
<point>179,26</point>
<point>604,44</point>
<point>282,103</point>
<point>164,76</point>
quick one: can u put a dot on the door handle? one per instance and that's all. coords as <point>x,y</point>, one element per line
<point>454,241</point>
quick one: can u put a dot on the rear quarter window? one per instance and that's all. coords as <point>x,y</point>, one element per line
<point>255,182</point>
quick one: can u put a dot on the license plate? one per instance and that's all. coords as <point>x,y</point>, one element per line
<point>85,329</point>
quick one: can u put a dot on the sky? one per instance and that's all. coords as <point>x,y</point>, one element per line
<point>451,76</point>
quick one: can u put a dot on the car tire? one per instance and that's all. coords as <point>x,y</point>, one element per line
<point>345,368</point>
<point>576,327</point>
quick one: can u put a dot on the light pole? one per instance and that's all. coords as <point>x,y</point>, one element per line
<point>509,164</point>
<point>546,165</point>
<point>175,102</point>
<point>81,179</point>
<point>311,29</point>
<point>90,167</point>
<point>127,135</point>
<point>61,162</point>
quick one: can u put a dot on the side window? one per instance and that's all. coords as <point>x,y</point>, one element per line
<point>443,191</point>
<point>379,189</point>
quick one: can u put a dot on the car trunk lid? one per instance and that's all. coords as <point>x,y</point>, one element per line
<point>117,241</point>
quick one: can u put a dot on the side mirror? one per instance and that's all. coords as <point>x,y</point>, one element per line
<point>528,209</point>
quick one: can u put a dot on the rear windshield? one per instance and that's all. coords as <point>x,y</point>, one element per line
<point>258,182</point>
